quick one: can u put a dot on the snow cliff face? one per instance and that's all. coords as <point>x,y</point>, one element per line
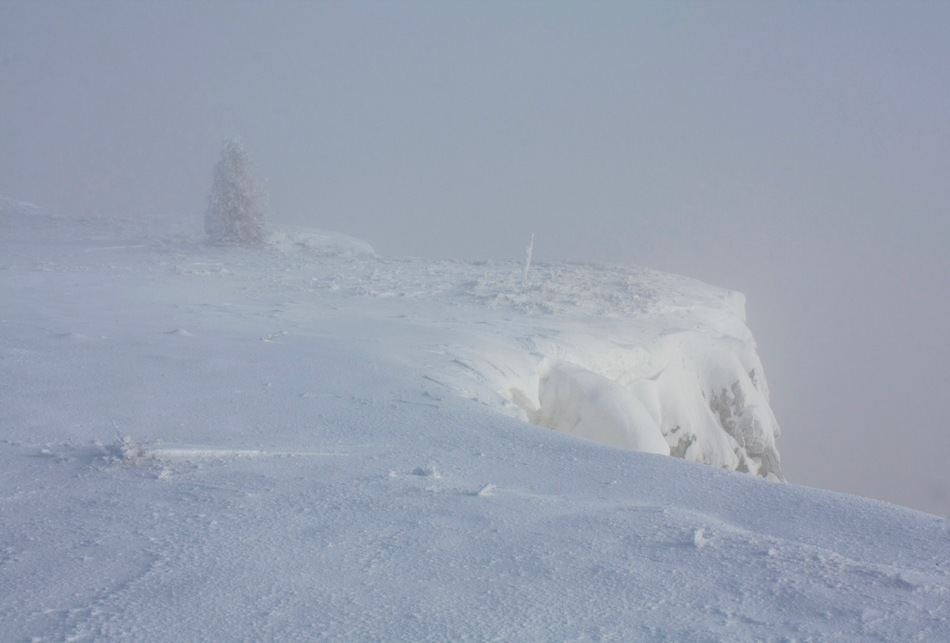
<point>637,360</point>
<point>685,396</point>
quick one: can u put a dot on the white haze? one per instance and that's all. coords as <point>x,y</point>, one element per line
<point>796,152</point>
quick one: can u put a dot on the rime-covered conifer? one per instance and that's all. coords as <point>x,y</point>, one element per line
<point>237,208</point>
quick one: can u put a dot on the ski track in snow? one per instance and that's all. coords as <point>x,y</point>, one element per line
<point>316,443</point>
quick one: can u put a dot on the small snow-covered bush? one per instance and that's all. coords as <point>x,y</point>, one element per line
<point>237,209</point>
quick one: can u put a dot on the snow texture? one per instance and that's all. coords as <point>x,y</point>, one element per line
<point>307,441</point>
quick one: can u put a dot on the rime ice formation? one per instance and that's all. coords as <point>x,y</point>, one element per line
<point>628,357</point>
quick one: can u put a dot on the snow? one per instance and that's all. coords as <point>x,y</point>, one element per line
<point>313,442</point>
<point>575,400</point>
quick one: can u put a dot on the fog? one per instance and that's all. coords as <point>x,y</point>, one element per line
<point>797,152</point>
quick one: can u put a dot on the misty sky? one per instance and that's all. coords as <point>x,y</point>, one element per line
<point>798,152</point>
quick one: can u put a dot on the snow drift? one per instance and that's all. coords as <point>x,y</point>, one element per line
<point>578,401</point>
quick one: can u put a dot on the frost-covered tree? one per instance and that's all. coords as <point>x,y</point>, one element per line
<point>237,208</point>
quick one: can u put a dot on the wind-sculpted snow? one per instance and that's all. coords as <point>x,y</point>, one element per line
<point>575,400</point>
<point>614,354</point>
<point>670,355</point>
<point>309,442</point>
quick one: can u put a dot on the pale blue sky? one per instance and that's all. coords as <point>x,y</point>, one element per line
<point>796,151</point>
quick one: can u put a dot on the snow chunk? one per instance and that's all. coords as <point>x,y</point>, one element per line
<point>583,403</point>
<point>699,538</point>
<point>486,490</point>
<point>427,470</point>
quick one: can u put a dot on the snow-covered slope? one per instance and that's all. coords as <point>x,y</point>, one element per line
<point>623,356</point>
<point>313,442</point>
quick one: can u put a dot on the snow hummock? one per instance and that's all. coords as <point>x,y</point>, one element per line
<point>309,441</point>
<point>578,401</point>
